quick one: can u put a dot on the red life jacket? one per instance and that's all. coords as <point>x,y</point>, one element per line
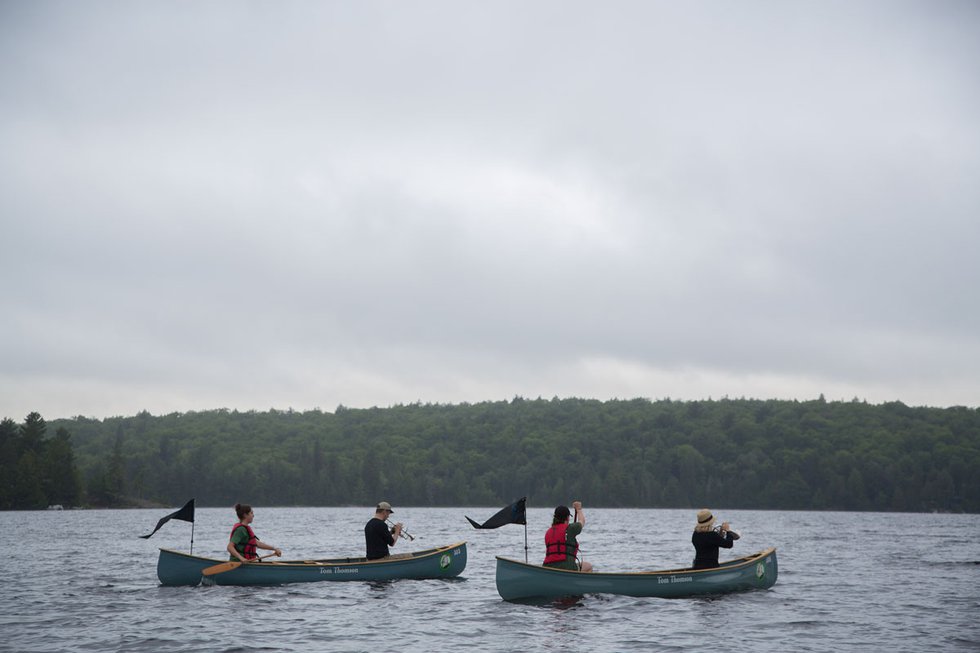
<point>556,546</point>
<point>250,548</point>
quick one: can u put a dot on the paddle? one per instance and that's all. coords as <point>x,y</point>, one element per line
<point>228,566</point>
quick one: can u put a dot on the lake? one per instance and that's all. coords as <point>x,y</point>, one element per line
<point>82,580</point>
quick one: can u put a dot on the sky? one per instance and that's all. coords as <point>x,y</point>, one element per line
<point>259,205</point>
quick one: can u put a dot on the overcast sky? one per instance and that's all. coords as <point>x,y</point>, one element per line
<point>254,205</point>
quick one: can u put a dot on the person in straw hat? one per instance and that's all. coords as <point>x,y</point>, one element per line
<point>707,541</point>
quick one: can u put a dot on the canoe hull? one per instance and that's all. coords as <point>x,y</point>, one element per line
<point>175,568</point>
<point>517,580</point>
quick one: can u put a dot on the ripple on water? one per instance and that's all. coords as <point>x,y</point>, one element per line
<point>841,587</point>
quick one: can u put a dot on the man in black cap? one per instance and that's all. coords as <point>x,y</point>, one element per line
<point>377,537</point>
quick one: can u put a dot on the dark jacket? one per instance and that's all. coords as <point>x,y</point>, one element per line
<point>706,545</point>
<point>377,539</point>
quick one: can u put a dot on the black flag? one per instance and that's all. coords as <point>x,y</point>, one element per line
<point>184,514</point>
<point>512,514</point>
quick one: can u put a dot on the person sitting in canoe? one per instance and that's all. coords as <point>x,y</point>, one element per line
<point>377,537</point>
<point>561,545</point>
<point>243,543</point>
<point>707,541</point>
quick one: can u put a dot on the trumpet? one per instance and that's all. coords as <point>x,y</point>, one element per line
<point>735,535</point>
<point>404,532</point>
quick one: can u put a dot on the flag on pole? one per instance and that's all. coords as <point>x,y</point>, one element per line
<point>515,513</point>
<point>184,514</point>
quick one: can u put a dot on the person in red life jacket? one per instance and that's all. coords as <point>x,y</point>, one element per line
<point>243,543</point>
<point>707,541</point>
<point>561,545</point>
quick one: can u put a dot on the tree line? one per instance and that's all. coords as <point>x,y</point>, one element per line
<point>731,453</point>
<point>37,471</point>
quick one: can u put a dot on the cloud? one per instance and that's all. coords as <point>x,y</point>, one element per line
<point>246,205</point>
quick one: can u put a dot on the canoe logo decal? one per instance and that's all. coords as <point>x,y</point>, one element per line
<point>760,570</point>
<point>445,561</point>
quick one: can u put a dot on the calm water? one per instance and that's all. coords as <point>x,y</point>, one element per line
<point>84,581</point>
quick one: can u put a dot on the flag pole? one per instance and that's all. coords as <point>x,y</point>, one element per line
<point>192,538</point>
<point>525,530</point>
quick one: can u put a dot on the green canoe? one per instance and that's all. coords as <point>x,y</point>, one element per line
<point>175,568</point>
<point>518,580</point>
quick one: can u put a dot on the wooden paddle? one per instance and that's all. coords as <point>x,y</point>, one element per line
<point>228,566</point>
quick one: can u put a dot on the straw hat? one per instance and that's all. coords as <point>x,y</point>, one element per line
<point>705,520</point>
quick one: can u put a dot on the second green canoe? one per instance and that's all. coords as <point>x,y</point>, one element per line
<point>518,580</point>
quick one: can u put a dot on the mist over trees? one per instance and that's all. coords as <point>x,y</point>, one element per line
<point>761,454</point>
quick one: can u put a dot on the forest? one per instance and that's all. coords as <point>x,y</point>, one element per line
<point>727,453</point>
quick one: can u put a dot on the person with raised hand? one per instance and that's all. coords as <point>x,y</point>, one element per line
<point>561,543</point>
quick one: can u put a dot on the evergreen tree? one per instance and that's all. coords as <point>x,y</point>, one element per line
<point>32,433</point>
<point>28,490</point>
<point>9,455</point>
<point>114,482</point>
<point>62,482</point>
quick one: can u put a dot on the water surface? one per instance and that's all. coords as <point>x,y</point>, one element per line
<point>84,581</point>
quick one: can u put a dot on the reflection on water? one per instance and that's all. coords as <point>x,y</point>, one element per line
<point>561,603</point>
<point>84,581</point>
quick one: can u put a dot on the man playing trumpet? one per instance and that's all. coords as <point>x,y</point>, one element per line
<point>377,537</point>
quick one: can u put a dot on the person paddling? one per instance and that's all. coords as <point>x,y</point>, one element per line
<point>243,543</point>
<point>561,545</point>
